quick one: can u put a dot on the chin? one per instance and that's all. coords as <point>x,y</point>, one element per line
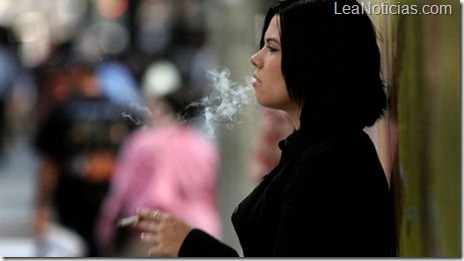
<point>267,105</point>
<point>260,102</point>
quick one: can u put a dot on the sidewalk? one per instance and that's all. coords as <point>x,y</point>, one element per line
<point>18,170</point>
<point>17,190</point>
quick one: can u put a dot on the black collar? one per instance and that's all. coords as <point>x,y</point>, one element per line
<point>304,138</point>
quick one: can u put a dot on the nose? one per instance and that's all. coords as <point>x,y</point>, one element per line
<point>255,60</point>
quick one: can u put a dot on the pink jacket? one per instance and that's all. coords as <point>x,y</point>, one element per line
<point>170,167</point>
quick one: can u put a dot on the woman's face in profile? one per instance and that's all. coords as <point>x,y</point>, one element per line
<point>269,83</point>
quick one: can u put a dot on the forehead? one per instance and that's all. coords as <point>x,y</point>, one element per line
<point>273,28</point>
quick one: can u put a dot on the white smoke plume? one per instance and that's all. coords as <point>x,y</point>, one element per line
<point>224,103</point>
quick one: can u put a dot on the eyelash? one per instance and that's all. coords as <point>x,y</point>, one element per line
<point>271,49</point>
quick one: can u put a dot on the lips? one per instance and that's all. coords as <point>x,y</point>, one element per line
<point>256,81</point>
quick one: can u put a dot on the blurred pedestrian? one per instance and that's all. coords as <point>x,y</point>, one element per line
<point>167,165</point>
<point>78,145</point>
<point>12,76</point>
<point>274,127</point>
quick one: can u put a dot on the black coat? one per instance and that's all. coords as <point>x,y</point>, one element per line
<point>328,196</point>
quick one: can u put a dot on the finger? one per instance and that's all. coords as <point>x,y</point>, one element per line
<point>155,251</point>
<point>149,238</point>
<point>145,212</point>
<point>147,225</point>
<point>148,213</point>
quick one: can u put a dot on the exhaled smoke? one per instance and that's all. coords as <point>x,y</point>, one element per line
<point>224,102</point>
<point>137,114</point>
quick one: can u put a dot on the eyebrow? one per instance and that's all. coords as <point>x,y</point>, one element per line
<point>268,40</point>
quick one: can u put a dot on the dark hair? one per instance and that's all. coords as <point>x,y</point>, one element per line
<point>330,62</point>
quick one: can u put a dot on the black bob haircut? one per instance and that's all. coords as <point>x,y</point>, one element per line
<point>330,63</point>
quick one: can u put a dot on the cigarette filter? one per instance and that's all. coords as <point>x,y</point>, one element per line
<point>127,221</point>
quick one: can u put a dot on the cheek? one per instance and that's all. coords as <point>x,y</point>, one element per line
<point>273,96</point>
<point>279,86</point>
<point>278,79</point>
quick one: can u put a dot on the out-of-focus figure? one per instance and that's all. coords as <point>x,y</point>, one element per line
<point>53,83</point>
<point>274,127</point>
<point>14,81</point>
<point>118,84</point>
<point>168,165</point>
<point>78,144</point>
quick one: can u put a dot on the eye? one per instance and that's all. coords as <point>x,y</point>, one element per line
<point>271,48</point>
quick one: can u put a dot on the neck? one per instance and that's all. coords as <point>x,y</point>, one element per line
<point>294,114</point>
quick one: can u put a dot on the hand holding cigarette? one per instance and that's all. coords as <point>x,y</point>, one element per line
<point>132,220</point>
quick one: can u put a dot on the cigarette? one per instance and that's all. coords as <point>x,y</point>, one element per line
<point>127,221</point>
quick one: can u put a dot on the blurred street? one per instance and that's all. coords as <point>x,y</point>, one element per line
<point>17,188</point>
<point>18,171</point>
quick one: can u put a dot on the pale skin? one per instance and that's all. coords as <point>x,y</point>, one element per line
<point>165,232</point>
<point>269,84</point>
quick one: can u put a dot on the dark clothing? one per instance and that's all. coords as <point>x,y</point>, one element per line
<point>83,136</point>
<point>327,197</point>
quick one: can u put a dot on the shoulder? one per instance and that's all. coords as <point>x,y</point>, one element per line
<point>194,140</point>
<point>344,147</point>
<point>175,137</point>
<point>340,160</point>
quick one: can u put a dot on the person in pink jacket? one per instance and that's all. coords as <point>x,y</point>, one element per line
<point>168,165</point>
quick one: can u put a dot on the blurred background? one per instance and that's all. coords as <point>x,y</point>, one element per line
<point>419,139</point>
